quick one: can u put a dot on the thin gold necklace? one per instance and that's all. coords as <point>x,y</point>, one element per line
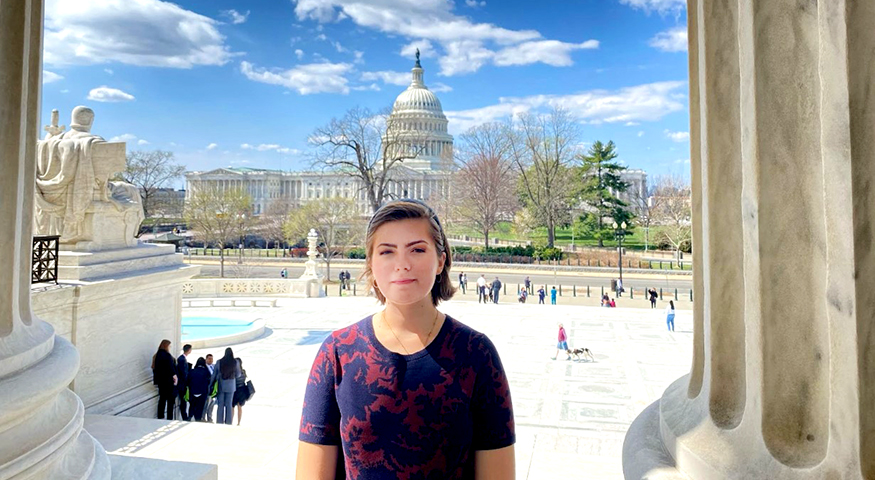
<point>433,324</point>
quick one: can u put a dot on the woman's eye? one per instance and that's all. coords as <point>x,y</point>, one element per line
<point>384,252</point>
<point>419,250</point>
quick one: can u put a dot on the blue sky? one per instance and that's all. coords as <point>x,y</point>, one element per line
<point>243,83</point>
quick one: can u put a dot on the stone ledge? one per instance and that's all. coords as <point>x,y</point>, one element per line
<point>644,455</point>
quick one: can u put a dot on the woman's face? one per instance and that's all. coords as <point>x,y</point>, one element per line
<point>405,260</point>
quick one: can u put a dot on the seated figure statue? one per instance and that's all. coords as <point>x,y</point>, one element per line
<point>74,198</point>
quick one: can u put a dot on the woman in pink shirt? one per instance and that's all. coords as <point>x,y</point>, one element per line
<point>562,346</point>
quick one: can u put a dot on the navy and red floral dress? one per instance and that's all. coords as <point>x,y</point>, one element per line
<point>408,416</point>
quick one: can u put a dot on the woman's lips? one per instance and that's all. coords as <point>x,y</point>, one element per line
<point>404,281</point>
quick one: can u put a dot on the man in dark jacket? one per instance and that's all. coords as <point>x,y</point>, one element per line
<point>182,369</point>
<point>496,288</point>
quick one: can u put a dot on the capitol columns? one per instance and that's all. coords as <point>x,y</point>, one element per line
<point>41,433</point>
<point>783,170</point>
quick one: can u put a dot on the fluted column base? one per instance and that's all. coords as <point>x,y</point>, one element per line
<point>41,435</point>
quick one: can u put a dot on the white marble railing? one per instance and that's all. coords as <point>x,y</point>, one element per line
<point>225,287</point>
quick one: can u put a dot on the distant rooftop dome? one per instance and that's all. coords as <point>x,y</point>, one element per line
<point>418,98</point>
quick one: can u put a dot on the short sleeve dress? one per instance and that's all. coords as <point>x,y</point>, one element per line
<point>408,416</point>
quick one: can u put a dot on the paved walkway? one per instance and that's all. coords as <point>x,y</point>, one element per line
<point>571,415</point>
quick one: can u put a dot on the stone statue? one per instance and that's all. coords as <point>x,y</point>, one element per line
<point>74,198</point>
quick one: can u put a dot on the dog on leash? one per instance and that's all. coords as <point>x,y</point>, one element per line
<point>579,353</point>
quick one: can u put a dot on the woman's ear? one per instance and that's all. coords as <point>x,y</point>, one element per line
<point>441,262</point>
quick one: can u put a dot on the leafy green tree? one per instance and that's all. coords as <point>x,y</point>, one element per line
<point>600,183</point>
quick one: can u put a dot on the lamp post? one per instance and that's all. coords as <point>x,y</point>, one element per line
<point>619,235</point>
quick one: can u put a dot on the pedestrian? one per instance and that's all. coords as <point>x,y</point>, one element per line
<point>620,287</point>
<point>606,301</point>
<point>392,422</point>
<point>562,346</point>
<point>284,273</point>
<point>198,389</point>
<point>182,369</point>
<point>164,376</point>
<point>541,295</point>
<point>211,400</point>
<point>528,283</point>
<point>523,293</point>
<point>612,303</point>
<point>481,289</point>
<point>348,278</point>
<point>669,315</point>
<point>342,277</point>
<point>496,289</point>
<point>241,394</point>
<point>553,295</point>
<point>652,294</point>
<point>464,282</point>
<point>225,377</point>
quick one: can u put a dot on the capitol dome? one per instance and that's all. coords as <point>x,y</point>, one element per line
<point>418,118</point>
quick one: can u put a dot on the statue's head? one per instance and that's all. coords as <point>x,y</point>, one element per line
<point>82,119</point>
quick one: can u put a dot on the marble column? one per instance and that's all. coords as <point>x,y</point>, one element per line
<point>41,433</point>
<point>782,384</point>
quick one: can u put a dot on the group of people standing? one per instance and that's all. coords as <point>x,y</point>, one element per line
<point>344,277</point>
<point>201,387</point>
<point>488,290</point>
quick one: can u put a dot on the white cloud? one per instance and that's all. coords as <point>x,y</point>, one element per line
<point>662,7</point>
<point>65,91</point>
<point>108,70</point>
<point>648,102</point>
<point>49,77</point>
<point>212,146</point>
<point>322,37</point>
<point>551,52</point>
<point>475,3</point>
<point>641,133</point>
<point>372,87</point>
<point>106,94</point>
<point>142,142</point>
<point>288,151</point>
<point>305,79</point>
<point>339,47</point>
<point>467,45</point>
<point>631,124</point>
<point>441,87</point>
<point>359,56</point>
<point>265,147</point>
<point>683,161</point>
<point>299,53</point>
<point>125,137</point>
<point>673,40</point>
<point>150,33</point>
<point>426,50</point>
<point>388,77</point>
<point>235,16</point>
<point>678,136</point>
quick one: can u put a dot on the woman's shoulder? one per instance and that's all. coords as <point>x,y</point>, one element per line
<point>464,336</point>
<point>349,333</point>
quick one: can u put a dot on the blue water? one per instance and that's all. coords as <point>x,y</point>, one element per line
<point>196,328</point>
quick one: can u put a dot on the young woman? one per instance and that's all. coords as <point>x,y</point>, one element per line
<point>164,376</point>
<point>562,346</point>
<point>409,391</point>
<point>241,392</point>
<point>198,389</point>
<point>669,316</point>
<point>225,373</point>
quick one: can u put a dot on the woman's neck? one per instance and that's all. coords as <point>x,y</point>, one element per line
<point>417,317</point>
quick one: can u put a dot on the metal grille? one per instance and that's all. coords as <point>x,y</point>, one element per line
<point>45,259</point>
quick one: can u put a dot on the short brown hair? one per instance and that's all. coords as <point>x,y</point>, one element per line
<point>403,210</point>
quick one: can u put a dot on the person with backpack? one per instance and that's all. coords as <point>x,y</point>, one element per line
<point>198,389</point>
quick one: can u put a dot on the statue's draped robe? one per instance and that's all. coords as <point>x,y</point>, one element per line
<point>65,184</point>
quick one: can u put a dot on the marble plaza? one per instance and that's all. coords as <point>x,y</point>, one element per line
<point>571,415</point>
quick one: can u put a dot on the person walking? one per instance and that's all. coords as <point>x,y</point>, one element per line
<point>182,369</point>
<point>164,376</point>
<point>669,316</point>
<point>284,273</point>
<point>528,283</point>
<point>198,389</point>
<point>553,295</point>
<point>225,375</point>
<point>211,400</point>
<point>241,394</point>
<point>464,282</point>
<point>652,294</point>
<point>496,289</point>
<point>541,295</point>
<point>481,287</point>
<point>619,287</point>
<point>562,346</point>
<point>523,294</point>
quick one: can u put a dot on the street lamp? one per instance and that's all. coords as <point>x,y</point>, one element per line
<point>619,235</point>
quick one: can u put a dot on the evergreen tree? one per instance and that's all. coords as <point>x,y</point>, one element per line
<point>600,182</point>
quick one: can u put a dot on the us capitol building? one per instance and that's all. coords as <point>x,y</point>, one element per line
<point>420,119</point>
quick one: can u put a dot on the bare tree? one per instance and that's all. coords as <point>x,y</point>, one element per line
<point>218,217</point>
<point>272,221</point>
<point>336,221</point>
<point>366,146</point>
<point>150,171</point>
<point>542,147</point>
<point>674,211</point>
<point>646,204</point>
<point>486,179</point>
